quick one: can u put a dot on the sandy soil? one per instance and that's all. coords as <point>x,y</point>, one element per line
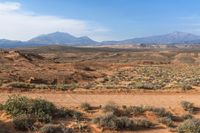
<point>166,100</point>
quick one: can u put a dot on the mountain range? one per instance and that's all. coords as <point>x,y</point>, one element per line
<point>61,38</point>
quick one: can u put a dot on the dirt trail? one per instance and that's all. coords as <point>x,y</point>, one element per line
<point>153,99</point>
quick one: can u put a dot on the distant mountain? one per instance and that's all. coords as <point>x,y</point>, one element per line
<point>62,39</point>
<point>171,38</point>
<point>4,43</point>
<point>197,41</point>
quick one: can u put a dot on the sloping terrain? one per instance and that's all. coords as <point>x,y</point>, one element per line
<point>71,78</point>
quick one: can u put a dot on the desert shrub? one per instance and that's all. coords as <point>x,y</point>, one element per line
<point>110,121</point>
<point>186,87</point>
<point>134,110</point>
<point>187,106</point>
<point>195,81</point>
<point>66,86</point>
<point>166,121</point>
<point>76,115</point>
<point>41,86</point>
<point>42,109</point>
<point>16,105</point>
<point>62,113</point>
<point>1,107</point>
<point>86,106</point>
<point>24,123</point>
<point>161,112</point>
<point>186,117</point>
<point>125,123</point>
<point>189,126</point>
<point>142,123</point>
<point>50,128</point>
<point>148,86</point>
<point>68,113</point>
<point>1,83</point>
<point>110,108</point>
<point>4,130</point>
<point>89,86</point>
<point>38,108</point>
<point>21,85</point>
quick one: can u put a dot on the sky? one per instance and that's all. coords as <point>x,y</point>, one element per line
<point>98,19</point>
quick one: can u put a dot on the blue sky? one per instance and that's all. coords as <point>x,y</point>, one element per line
<point>100,19</point>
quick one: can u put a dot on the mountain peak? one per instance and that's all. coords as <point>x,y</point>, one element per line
<point>171,38</point>
<point>180,33</point>
<point>61,38</point>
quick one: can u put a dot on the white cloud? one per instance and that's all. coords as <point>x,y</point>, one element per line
<point>19,25</point>
<point>9,6</point>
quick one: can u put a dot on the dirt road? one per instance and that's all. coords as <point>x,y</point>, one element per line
<point>153,99</point>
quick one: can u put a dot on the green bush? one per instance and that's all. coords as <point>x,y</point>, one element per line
<point>187,106</point>
<point>186,117</point>
<point>42,109</point>
<point>112,122</point>
<point>189,126</point>
<point>67,113</point>
<point>148,86</point>
<point>1,107</point>
<point>167,121</point>
<point>125,123</point>
<point>86,106</point>
<point>17,105</point>
<point>3,130</point>
<point>110,108</point>
<point>134,110</point>
<point>24,123</point>
<point>75,114</point>
<point>142,123</point>
<point>62,113</point>
<point>161,112</point>
<point>108,121</point>
<point>21,85</point>
<point>186,87</point>
<point>50,128</point>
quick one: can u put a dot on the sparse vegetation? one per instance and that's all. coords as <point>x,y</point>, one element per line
<point>187,106</point>
<point>186,87</point>
<point>40,109</point>
<point>134,110</point>
<point>21,85</point>
<point>167,121</point>
<point>110,121</point>
<point>111,108</point>
<point>24,123</point>
<point>189,126</point>
<point>93,71</point>
<point>186,117</point>
<point>27,111</point>
<point>86,106</point>
<point>50,128</point>
<point>161,112</point>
